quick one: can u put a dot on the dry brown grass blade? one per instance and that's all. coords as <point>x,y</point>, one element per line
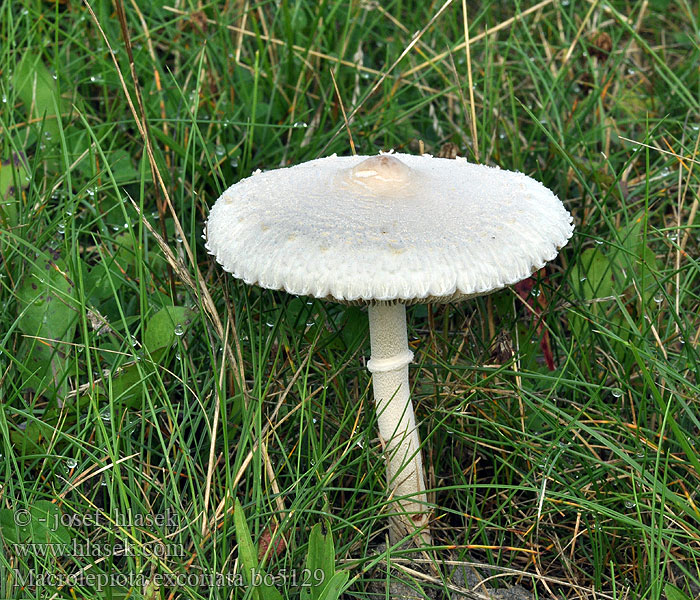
<point>156,73</point>
<point>121,16</point>
<point>212,442</point>
<point>406,564</point>
<point>273,424</point>
<point>472,106</point>
<point>306,51</point>
<point>577,37</point>
<point>345,116</point>
<point>198,287</point>
<point>505,24</point>
<point>416,38</point>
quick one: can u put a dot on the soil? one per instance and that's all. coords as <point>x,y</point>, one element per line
<point>464,583</point>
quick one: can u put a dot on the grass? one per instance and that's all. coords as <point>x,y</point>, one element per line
<point>137,379</point>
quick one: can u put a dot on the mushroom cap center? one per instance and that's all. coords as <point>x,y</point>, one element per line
<point>380,175</point>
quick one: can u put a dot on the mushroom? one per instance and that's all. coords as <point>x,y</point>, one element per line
<point>388,231</point>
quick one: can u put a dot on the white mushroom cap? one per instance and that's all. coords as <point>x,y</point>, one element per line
<point>387,228</point>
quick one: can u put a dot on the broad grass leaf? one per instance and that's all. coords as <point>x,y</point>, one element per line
<point>14,175</point>
<point>592,276</point>
<point>46,526</point>
<point>248,556</point>
<point>674,593</point>
<point>48,313</point>
<point>162,328</point>
<point>320,558</point>
<point>335,587</point>
<point>37,90</point>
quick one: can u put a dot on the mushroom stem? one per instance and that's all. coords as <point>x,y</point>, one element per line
<point>396,420</point>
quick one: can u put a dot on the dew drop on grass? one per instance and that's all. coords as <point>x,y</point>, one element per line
<point>220,150</point>
<point>630,504</point>
<point>179,330</point>
<point>234,163</point>
<point>106,417</point>
<point>616,392</point>
<point>640,454</point>
<point>270,325</point>
<point>300,125</point>
<point>536,292</point>
<point>659,298</point>
<point>4,99</point>
<point>599,242</point>
<point>61,229</point>
<point>71,463</point>
<point>178,356</point>
<point>583,279</point>
<point>103,483</point>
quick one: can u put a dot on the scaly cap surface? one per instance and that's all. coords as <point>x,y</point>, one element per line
<point>387,228</point>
